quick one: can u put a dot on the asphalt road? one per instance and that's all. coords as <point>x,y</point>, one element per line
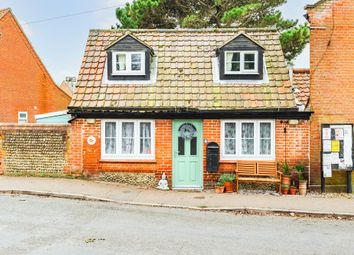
<point>32,225</point>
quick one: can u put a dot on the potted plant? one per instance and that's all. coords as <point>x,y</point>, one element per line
<point>293,190</point>
<point>286,174</point>
<point>219,187</point>
<point>302,182</point>
<point>284,189</point>
<point>228,181</point>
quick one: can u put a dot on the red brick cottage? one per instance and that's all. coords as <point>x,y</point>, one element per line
<point>26,86</point>
<point>149,101</point>
<point>332,77</point>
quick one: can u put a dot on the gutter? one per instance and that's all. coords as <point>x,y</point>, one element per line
<point>172,113</point>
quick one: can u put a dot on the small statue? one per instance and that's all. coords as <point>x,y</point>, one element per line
<point>163,183</point>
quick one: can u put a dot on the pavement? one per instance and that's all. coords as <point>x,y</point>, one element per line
<point>339,205</point>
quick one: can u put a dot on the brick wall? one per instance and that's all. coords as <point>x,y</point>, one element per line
<point>33,149</point>
<point>332,73</point>
<point>296,149</point>
<point>25,84</point>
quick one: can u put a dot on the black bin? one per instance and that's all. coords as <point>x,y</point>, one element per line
<point>212,157</point>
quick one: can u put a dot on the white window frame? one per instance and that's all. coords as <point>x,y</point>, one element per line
<point>118,155</point>
<point>242,62</point>
<point>20,119</point>
<point>128,58</point>
<point>238,155</point>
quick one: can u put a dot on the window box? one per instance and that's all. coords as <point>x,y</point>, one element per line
<point>127,139</point>
<point>247,139</point>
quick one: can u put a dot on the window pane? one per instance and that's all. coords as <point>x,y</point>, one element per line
<point>136,62</point>
<point>265,130</point>
<point>247,146</point>
<point>230,146</point>
<point>145,146</point>
<point>110,137</point>
<point>110,129</point>
<point>247,130</point>
<point>194,146</point>
<point>145,129</point>
<point>235,67</point>
<point>249,66</point>
<point>110,146</point>
<point>121,62</point>
<point>230,138</point>
<point>247,138</point>
<point>136,67</point>
<point>265,138</point>
<point>145,138</point>
<point>235,56</point>
<point>233,61</point>
<point>265,147</point>
<point>128,138</point>
<point>250,61</point>
<point>180,146</point>
<point>230,130</point>
<point>249,57</point>
<point>136,58</point>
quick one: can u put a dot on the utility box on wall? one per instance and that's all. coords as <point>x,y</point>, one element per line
<point>212,157</point>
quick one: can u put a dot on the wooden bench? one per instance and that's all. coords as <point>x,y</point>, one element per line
<point>258,172</point>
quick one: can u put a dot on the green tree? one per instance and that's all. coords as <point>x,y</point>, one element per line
<point>216,13</point>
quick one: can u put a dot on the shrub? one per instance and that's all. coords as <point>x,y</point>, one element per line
<point>226,178</point>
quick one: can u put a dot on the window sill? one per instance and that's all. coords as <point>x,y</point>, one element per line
<point>152,161</point>
<point>229,161</point>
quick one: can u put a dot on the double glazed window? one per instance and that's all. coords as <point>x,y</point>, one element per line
<point>128,139</point>
<point>241,62</point>
<point>128,63</point>
<point>22,117</point>
<point>245,139</point>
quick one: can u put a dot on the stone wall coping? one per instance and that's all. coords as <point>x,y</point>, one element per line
<point>31,126</point>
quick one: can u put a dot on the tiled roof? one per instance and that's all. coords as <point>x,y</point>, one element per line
<point>64,86</point>
<point>301,83</point>
<point>3,12</point>
<point>184,79</point>
<point>310,6</point>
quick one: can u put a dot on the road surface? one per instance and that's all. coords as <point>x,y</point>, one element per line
<point>34,225</point>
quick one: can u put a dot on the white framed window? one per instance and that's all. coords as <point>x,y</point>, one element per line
<point>22,117</point>
<point>247,139</point>
<point>128,63</point>
<point>241,62</point>
<point>128,139</point>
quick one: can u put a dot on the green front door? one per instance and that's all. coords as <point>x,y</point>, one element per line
<point>187,153</point>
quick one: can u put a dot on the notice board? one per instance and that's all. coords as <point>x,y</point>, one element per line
<point>337,148</point>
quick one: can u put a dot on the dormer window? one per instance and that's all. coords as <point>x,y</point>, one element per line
<point>129,59</point>
<point>241,62</point>
<point>240,58</point>
<point>128,63</point>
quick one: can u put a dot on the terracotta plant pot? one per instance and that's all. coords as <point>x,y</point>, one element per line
<point>302,187</point>
<point>293,190</point>
<point>284,189</point>
<point>229,187</point>
<point>219,189</point>
<point>286,180</point>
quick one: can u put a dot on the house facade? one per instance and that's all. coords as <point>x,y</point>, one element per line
<point>332,87</point>
<point>149,102</point>
<point>26,87</point>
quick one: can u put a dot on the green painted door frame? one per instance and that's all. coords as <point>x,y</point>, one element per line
<point>187,156</point>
